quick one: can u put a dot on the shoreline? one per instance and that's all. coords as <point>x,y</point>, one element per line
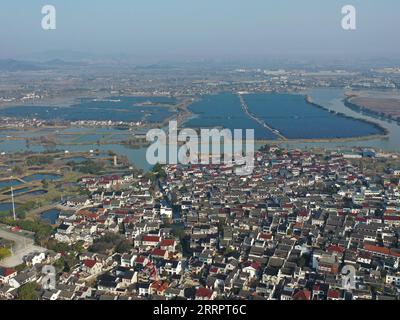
<point>367,111</point>
<point>384,131</point>
<point>185,114</point>
<point>324,140</point>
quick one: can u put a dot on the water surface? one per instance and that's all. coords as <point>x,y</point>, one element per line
<point>295,118</point>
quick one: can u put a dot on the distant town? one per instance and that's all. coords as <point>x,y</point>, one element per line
<point>84,217</point>
<point>202,233</point>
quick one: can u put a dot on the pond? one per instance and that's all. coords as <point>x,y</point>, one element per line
<point>7,206</point>
<point>9,183</point>
<point>50,216</point>
<point>35,193</point>
<point>42,176</point>
<point>18,191</point>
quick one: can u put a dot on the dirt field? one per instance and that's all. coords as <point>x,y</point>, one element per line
<point>388,106</point>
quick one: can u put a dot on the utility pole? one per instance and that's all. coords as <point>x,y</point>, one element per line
<point>13,204</point>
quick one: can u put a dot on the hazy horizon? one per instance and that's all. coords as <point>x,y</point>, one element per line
<point>201,29</point>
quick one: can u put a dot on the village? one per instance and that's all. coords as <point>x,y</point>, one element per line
<point>200,232</point>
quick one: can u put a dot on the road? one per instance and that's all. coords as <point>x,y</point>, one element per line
<point>262,123</point>
<point>22,247</point>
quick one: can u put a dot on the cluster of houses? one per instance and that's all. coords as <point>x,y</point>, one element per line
<point>288,231</point>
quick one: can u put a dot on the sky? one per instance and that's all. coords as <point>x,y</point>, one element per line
<point>201,28</point>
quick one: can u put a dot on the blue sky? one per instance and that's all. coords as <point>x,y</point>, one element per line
<point>201,28</point>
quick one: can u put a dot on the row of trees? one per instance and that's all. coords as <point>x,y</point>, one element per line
<point>42,230</point>
<point>88,167</point>
<point>39,160</point>
<point>111,242</point>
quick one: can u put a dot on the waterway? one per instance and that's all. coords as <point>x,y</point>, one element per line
<point>331,99</point>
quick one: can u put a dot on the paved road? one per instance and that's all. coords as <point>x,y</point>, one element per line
<point>22,247</point>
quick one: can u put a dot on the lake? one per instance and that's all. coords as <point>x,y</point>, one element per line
<point>295,118</point>
<point>128,109</point>
<point>329,98</point>
<point>224,110</point>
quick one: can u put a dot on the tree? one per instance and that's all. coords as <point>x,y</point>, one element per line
<point>109,242</point>
<point>4,253</point>
<point>78,247</point>
<point>159,171</point>
<point>42,230</point>
<point>45,183</point>
<point>228,251</point>
<point>42,235</point>
<point>28,292</point>
<point>123,247</point>
<point>178,232</point>
<point>39,160</point>
<point>265,148</point>
<point>21,213</point>
<point>20,267</point>
<point>91,167</point>
<point>17,170</point>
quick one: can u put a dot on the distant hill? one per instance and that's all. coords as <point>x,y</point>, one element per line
<point>11,65</point>
<point>62,63</point>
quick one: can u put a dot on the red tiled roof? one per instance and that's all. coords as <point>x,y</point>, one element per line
<point>334,294</point>
<point>156,284</point>
<point>10,272</point>
<point>167,242</point>
<point>213,270</point>
<point>89,263</point>
<point>381,250</point>
<point>302,295</point>
<point>151,238</point>
<point>140,259</point>
<point>256,265</point>
<point>392,218</point>
<point>5,272</point>
<point>336,249</point>
<point>302,213</point>
<point>158,252</point>
<point>203,293</point>
<point>266,236</point>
